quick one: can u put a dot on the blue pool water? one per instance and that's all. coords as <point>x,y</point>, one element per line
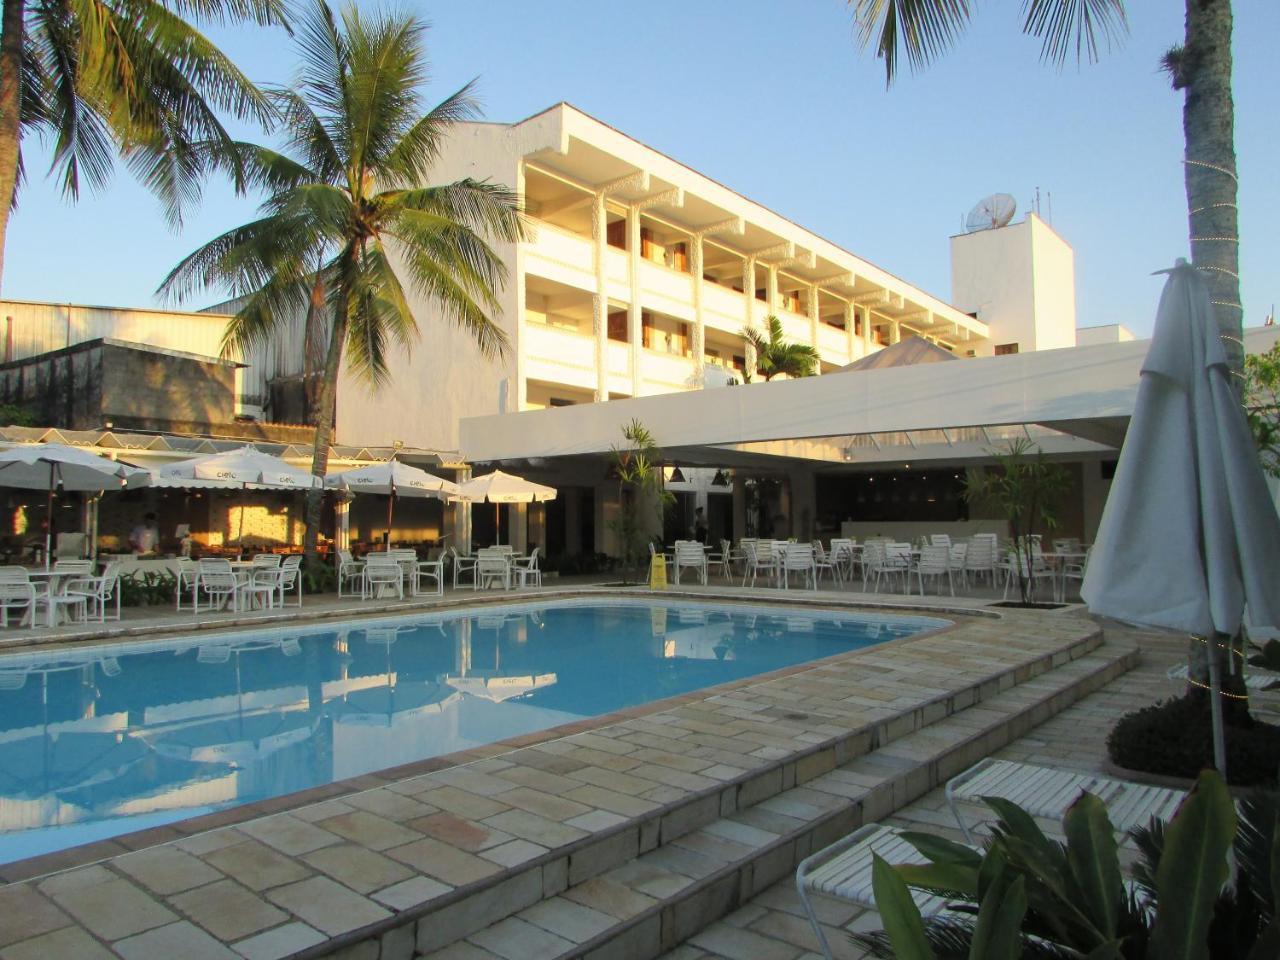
<point>105,740</point>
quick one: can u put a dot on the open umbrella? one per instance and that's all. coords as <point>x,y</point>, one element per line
<point>499,487</point>
<point>1189,537</point>
<point>243,468</point>
<point>54,466</point>
<point>392,479</point>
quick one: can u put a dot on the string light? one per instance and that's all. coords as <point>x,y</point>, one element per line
<point>1212,166</point>
<point>1204,686</point>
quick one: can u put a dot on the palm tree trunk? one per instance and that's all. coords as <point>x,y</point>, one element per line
<point>322,416</point>
<point>311,343</point>
<point>11,35</point>
<point>1208,123</point>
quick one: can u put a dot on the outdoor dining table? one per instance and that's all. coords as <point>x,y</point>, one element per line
<point>1060,560</point>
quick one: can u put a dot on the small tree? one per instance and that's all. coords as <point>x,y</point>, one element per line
<point>1262,404</point>
<point>1027,490</point>
<point>638,467</point>
<point>774,355</point>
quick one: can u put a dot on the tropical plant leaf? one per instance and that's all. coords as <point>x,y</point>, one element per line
<point>899,912</point>
<point>1094,860</point>
<point>1192,870</point>
<point>940,849</point>
<point>997,934</point>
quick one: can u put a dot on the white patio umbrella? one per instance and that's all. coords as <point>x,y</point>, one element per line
<point>244,468</point>
<point>498,488</point>
<point>392,479</point>
<point>55,466</point>
<point>1190,537</point>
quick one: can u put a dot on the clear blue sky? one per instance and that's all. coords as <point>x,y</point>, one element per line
<point>775,100</point>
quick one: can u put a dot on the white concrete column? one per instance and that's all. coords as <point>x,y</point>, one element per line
<point>517,526</point>
<point>866,330</point>
<point>537,526</point>
<point>803,503</point>
<point>521,398</point>
<point>749,312</point>
<point>572,523</point>
<point>771,290</point>
<point>850,318</point>
<point>460,517</point>
<point>739,508</point>
<point>895,332</point>
<point>813,324</point>
<point>635,326</point>
<point>600,299</point>
<point>699,349</point>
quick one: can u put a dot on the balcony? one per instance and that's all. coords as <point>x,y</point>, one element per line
<point>560,255</point>
<point>665,373</point>
<point>723,308</point>
<point>668,291</point>
<point>558,356</point>
<point>833,343</point>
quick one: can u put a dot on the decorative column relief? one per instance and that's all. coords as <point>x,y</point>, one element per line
<point>813,324</point>
<point>866,330</point>
<point>635,324</point>
<point>699,326</point>
<point>600,298</point>
<point>771,290</point>
<point>749,310</point>
<point>895,332</point>
<point>850,321</point>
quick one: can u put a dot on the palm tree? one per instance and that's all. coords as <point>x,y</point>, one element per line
<point>774,355</point>
<point>344,194</point>
<point>1200,67</point>
<point>128,77</point>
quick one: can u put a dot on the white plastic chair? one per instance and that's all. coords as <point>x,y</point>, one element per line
<point>826,561</point>
<point>263,585</point>
<point>527,571</point>
<point>935,561</point>
<point>269,560</point>
<point>98,592</point>
<point>689,553</point>
<point>492,567</point>
<point>381,570</point>
<point>462,563</point>
<point>187,571</point>
<point>978,561</point>
<point>349,568</point>
<point>290,579</point>
<point>940,540</point>
<point>217,581</point>
<point>727,558</point>
<point>429,570</point>
<point>799,558</point>
<point>844,555</point>
<point>17,592</point>
<point>760,557</point>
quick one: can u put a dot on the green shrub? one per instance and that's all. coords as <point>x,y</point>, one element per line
<point>319,577</point>
<point>1174,738</point>
<point>147,589</point>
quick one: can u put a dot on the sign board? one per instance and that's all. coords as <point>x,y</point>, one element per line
<point>658,572</point>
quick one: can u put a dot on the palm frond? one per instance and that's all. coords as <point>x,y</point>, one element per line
<point>1082,25</point>
<point>490,209</point>
<point>410,161</point>
<point>386,68</point>
<point>922,29</point>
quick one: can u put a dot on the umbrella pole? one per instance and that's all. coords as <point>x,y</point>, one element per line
<point>497,525</point>
<point>391,506</point>
<point>1215,706</point>
<point>48,516</point>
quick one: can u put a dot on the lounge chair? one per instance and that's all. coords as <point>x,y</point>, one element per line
<point>1045,792</point>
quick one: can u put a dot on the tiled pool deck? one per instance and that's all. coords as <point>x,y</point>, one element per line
<point>514,850</point>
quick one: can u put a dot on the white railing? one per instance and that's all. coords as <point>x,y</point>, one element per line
<point>723,308</point>
<point>662,372</point>
<point>559,356</point>
<point>560,246</point>
<point>672,286</point>
<point>833,343</point>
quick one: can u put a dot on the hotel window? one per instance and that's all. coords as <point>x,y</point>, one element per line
<point>618,326</point>
<point>1004,349</point>
<point>561,402</point>
<point>616,234</point>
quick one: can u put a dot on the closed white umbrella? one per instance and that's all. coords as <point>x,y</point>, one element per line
<point>392,479</point>
<point>1190,536</point>
<point>55,466</point>
<point>499,487</point>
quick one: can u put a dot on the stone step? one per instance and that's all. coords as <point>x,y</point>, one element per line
<point>660,896</point>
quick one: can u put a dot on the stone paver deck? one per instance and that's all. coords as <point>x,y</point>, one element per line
<point>419,861</point>
<point>773,924</point>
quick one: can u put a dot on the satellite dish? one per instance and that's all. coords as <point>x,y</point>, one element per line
<point>991,212</point>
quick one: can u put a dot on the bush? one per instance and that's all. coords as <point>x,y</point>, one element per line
<point>1175,738</point>
<point>319,577</point>
<point>152,588</point>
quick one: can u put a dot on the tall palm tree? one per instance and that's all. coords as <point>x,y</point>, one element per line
<point>1200,67</point>
<point>130,77</point>
<point>348,224</point>
<point>774,355</point>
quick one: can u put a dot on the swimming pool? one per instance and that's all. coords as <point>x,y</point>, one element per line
<point>105,740</point>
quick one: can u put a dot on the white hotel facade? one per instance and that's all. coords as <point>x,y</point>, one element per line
<point>638,275</point>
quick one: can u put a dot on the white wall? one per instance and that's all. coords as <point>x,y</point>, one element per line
<point>1020,280</point>
<point>1108,333</point>
<point>443,377</point>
